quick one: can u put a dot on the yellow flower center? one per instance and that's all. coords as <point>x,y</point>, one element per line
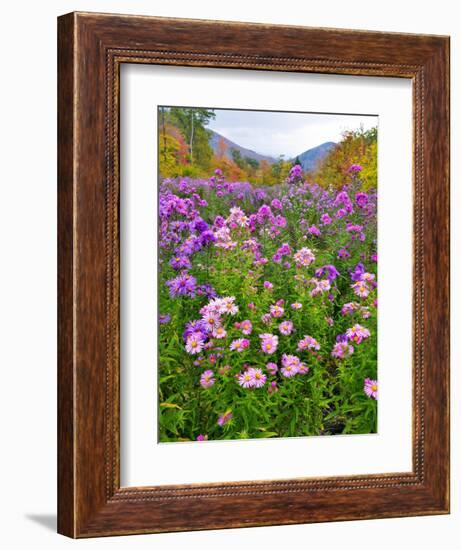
<point>374,387</point>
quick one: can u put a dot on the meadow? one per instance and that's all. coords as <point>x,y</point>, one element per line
<point>267,301</point>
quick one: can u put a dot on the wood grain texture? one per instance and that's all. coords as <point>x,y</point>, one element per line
<point>91,49</point>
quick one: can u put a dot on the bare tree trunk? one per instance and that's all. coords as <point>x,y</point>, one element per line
<point>164,134</point>
<point>191,136</point>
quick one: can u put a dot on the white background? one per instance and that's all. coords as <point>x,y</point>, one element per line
<point>146,462</point>
<point>28,274</point>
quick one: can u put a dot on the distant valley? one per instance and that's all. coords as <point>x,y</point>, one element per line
<point>309,159</point>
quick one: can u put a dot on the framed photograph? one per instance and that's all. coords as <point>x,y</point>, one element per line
<point>253,275</point>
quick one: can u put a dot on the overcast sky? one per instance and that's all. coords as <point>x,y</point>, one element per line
<point>275,133</point>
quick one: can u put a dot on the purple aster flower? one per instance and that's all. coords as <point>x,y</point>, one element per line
<point>343,254</point>
<point>195,326</point>
<point>163,319</point>
<point>180,262</point>
<point>276,204</point>
<point>219,222</point>
<point>207,237</point>
<point>329,270</point>
<point>182,285</point>
<point>199,225</point>
<point>361,199</point>
<point>358,271</point>
<point>314,230</point>
<point>326,219</point>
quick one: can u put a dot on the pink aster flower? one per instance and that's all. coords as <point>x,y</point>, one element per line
<point>194,343</point>
<point>286,328</point>
<point>246,326</point>
<point>272,368</point>
<point>368,277</point>
<point>224,369</point>
<point>207,379</point>
<point>276,311</point>
<point>269,343</point>
<point>341,350</point>
<point>325,219</point>
<point>321,286</point>
<point>314,230</point>
<point>303,368</point>
<point>296,305</point>
<point>370,387</point>
<point>365,312</point>
<point>202,437</point>
<point>272,387</point>
<point>349,308</point>
<point>259,379</point>
<point>268,285</point>
<point>308,343</point>
<point>213,306</point>
<point>290,365</point>
<point>304,257</point>
<point>219,332</point>
<point>266,318</point>
<point>361,289</point>
<point>245,379</point>
<point>224,418</point>
<point>239,345</point>
<point>229,306</point>
<point>211,320</point>
<point>357,333</point>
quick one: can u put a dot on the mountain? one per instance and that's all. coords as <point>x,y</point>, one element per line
<point>216,138</point>
<point>310,158</point>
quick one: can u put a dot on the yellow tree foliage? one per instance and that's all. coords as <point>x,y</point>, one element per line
<point>172,151</point>
<point>356,147</point>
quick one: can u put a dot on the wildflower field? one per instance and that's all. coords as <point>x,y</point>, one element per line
<point>267,300</point>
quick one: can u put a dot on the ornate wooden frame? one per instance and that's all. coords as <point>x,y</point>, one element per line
<point>91,48</point>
